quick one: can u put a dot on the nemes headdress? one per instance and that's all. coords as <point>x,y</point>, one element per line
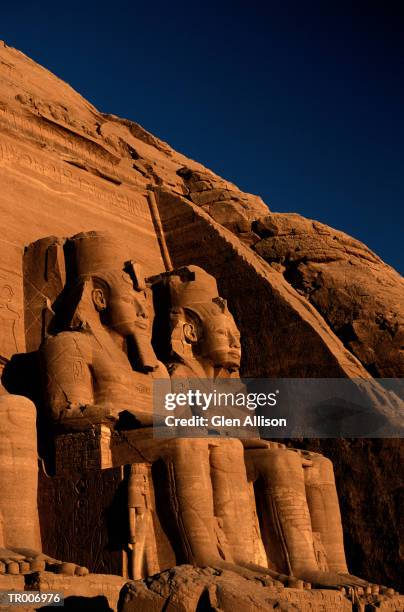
<point>92,256</point>
<point>193,288</point>
<point>97,253</point>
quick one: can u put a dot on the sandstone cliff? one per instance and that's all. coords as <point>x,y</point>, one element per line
<point>310,300</point>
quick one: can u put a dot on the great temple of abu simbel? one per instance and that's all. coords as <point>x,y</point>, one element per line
<point>123,262</point>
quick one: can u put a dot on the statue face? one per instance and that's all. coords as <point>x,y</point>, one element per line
<point>128,310</point>
<point>220,342</point>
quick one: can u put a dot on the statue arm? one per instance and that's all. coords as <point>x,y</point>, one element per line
<point>65,360</point>
<point>132,526</point>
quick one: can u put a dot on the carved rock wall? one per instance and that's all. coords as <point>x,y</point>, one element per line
<point>11,299</point>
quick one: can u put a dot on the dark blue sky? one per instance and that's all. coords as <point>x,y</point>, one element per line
<point>298,101</point>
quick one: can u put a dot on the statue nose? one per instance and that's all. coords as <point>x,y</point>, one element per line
<point>234,341</point>
<point>141,312</point>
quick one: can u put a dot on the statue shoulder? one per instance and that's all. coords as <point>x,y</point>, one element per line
<point>161,371</point>
<point>181,370</point>
<point>71,342</point>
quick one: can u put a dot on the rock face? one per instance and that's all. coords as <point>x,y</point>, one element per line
<point>308,300</point>
<point>360,297</point>
<point>222,201</point>
<point>187,588</point>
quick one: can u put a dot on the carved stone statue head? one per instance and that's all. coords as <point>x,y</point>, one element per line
<point>110,292</point>
<point>202,328</point>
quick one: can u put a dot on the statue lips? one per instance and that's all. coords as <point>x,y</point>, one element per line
<point>130,327</point>
<point>141,325</point>
<point>233,361</point>
<point>228,359</point>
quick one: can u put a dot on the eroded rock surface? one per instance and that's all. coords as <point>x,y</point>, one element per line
<point>360,297</point>
<point>224,202</point>
<point>187,589</point>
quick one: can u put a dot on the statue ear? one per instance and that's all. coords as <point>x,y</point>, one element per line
<point>190,334</point>
<point>99,299</point>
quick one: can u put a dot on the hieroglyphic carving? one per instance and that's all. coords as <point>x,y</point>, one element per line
<point>9,318</point>
<point>81,452</point>
<point>11,300</point>
<point>47,131</point>
<point>66,175</point>
<point>82,520</point>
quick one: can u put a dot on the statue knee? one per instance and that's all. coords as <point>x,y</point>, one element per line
<point>18,414</point>
<point>230,449</point>
<point>277,464</point>
<point>322,469</point>
<point>186,449</point>
<point>227,457</point>
<point>233,445</point>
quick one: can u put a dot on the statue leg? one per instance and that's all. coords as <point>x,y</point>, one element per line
<point>325,515</point>
<point>284,486</point>
<point>194,480</point>
<point>233,501</point>
<point>324,509</point>
<point>192,499</point>
<point>22,549</point>
<point>285,508</point>
<point>19,472</point>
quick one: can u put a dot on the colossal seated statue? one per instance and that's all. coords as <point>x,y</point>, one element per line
<point>20,537</point>
<point>296,493</point>
<point>102,362</point>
